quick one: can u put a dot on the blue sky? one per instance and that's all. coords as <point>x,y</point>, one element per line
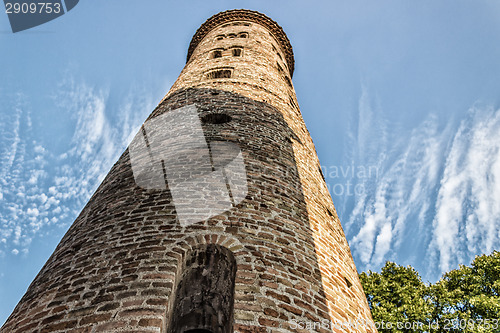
<point>401,98</point>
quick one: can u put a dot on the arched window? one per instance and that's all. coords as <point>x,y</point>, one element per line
<point>243,35</point>
<point>204,297</point>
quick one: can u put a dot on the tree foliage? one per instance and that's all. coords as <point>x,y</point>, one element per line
<point>466,299</point>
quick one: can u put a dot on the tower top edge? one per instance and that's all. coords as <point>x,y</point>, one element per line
<point>244,15</point>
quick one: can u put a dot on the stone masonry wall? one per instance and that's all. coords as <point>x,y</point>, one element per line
<point>263,74</point>
<point>117,267</point>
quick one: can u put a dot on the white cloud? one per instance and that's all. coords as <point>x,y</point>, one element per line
<point>39,149</point>
<point>437,189</point>
<point>383,244</point>
<point>17,234</point>
<point>15,252</point>
<point>12,141</point>
<point>400,190</point>
<point>363,241</point>
<point>43,198</point>
<point>39,188</point>
<point>33,212</point>
<point>468,208</point>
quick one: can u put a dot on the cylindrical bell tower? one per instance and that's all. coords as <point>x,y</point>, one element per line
<point>216,218</point>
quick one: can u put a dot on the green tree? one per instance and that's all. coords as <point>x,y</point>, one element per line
<point>398,299</point>
<point>466,299</point>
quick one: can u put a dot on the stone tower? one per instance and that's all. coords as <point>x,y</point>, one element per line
<point>216,218</point>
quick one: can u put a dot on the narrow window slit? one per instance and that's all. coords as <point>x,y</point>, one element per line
<point>280,69</point>
<point>216,54</point>
<point>219,74</point>
<point>216,118</point>
<point>236,52</point>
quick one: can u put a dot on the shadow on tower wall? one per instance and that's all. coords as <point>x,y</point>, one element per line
<point>119,264</point>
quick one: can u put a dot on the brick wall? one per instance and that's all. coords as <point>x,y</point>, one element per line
<point>118,266</point>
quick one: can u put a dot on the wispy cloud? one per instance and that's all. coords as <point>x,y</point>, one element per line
<point>436,193</point>
<point>467,216</point>
<point>16,208</point>
<point>40,189</point>
<point>407,171</point>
